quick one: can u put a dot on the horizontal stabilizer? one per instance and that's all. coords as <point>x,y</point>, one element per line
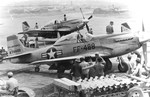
<point>18,55</point>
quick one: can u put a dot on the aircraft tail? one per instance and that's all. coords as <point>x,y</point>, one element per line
<point>125,27</point>
<point>15,46</point>
<point>25,26</point>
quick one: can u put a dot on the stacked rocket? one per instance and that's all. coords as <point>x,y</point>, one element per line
<point>107,84</point>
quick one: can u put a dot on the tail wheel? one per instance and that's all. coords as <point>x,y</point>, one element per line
<point>37,69</point>
<point>135,92</point>
<point>123,67</point>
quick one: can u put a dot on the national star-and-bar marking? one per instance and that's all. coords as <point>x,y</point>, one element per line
<point>58,52</point>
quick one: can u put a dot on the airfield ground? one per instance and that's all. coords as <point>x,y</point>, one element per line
<point>40,83</point>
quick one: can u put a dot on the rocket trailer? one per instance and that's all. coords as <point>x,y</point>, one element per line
<point>142,90</point>
<point>108,86</point>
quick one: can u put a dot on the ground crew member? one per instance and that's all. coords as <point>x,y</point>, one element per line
<point>36,26</point>
<point>11,86</point>
<point>76,70</point>
<point>80,37</point>
<point>36,42</point>
<point>137,71</point>
<point>65,18</point>
<point>84,66</point>
<point>130,65</point>
<point>25,39</point>
<point>99,67</point>
<point>109,28</point>
<point>90,31</point>
<point>97,56</point>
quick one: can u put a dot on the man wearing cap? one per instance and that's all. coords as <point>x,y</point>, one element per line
<point>11,85</point>
<point>130,64</point>
<point>85,69</point>
<point>65,18</point>
<point>137,71</point>
<point>109,28</point>
<point>76,70</point>
<point>97,57</point>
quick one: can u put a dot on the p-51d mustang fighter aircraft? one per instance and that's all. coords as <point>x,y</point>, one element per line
<point>69,47</point>
<point>55,29</point>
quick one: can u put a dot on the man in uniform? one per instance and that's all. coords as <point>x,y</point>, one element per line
<point>76,70</point>
<point>84,66</point>
<point>90,31</point>
<point>65,18</point>
<point>11,87</point>
<point>109,28</point>
<point>36,26</point>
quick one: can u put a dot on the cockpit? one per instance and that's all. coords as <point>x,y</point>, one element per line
<point>74,38</point>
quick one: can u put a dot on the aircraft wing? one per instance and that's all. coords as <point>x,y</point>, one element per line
<point>37,31</point>
<point>18,55</point>
<point>48,61</point>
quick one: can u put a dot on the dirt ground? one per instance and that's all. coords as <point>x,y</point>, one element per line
<point>40,83</point>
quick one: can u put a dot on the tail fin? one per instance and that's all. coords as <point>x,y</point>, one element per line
<point>14,45</point>
<point>125,27</point>
<point>25,26</point>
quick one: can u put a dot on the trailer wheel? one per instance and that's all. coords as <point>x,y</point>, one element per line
<point>135,92</point>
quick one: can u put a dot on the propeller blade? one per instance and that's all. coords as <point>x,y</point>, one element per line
<point>87,27</point>
<point>143,28</point>
<point>144,47</point>
<point>82,13</point>
<point>90,17</point>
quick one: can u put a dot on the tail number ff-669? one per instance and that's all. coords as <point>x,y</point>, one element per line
<point>83,47</point>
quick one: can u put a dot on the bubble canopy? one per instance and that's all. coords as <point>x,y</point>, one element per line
<point>72,38</point>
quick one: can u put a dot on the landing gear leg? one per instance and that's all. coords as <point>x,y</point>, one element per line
<point>37,69</point>
<point>122,66</point>
<point>108,65</point>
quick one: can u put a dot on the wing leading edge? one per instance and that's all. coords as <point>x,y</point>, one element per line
<point>49,61</point>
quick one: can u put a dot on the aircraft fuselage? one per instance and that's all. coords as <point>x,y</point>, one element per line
<point>108,45</point>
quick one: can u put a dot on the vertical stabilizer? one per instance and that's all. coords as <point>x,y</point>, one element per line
<point>125,27</point>
<point>14,45</point>
<point>25,26</point>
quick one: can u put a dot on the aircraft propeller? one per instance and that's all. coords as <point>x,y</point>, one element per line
<point>144,46</point>
<point>87,27</point>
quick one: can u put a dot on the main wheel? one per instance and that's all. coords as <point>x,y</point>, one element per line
<point>37,69</point>
<point>123,67</point>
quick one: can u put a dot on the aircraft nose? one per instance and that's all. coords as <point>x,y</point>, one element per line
<point>85,20</point>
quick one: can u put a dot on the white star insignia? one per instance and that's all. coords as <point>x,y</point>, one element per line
<point>51,54</point>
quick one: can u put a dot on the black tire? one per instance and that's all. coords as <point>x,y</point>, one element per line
<point>123,68</point>
<point>135,92</point>
<point>37,69</point>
